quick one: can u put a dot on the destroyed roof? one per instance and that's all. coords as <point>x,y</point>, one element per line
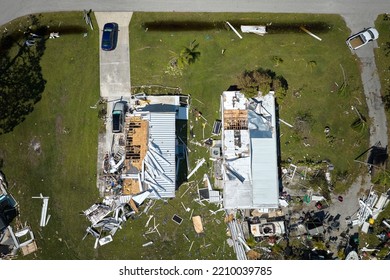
<point>162,137</point>
<point>180,111</point>
<point>250,151</point>
<point>159,108</point>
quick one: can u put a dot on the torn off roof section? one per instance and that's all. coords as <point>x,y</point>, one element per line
<point>161,159</point>
<point>249,151</point>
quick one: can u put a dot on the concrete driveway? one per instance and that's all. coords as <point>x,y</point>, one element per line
<point>370,79</point>
<point>114,75</point>
<point>115,64</point>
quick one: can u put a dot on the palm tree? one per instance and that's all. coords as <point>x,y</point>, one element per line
<point>189,55</point>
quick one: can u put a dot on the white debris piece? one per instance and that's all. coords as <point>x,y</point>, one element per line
<point>44,209</point>
<point>147,244</point>
<point>283,203</point>
<point>54,35</point>
<point>256,29</point>
<point>200,163</point>
<point>105,240</point>
<point>235,31</point>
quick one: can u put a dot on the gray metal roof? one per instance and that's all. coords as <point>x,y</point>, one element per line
<point>264,154</point>
<point>265,173</point>
<point>162,132</point>
<point>159,108</point>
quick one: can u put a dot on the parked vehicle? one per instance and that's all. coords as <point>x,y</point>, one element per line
<point>118,116</point>
<point>110,36</point>
<point>361,38</point>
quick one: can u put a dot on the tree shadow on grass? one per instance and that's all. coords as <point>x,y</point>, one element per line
<point>272,28</point>
<point>21,79</point>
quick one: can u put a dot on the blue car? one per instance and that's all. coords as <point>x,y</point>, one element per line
<point>110,36</point>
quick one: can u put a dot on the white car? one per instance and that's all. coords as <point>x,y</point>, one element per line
<point>361,38</point>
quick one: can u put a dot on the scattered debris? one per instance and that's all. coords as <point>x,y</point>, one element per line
<point>283,202</point>
<point>54,35</point>
<point>292,170</point>
<point>192,243</point>
<point>105,240</point>
<point>45,204</point>
<point>87,18</point>
<point>235,31</point>
<point>185,192</point>
<point>11,241</point>
<point>327,130</point>
<point>109,215</point>
<point>147,244</point>
<point>200,163</point>
<point>311,34</point>
<point>370,208</point>
<point>253,255</point>
<point>192,212</point>
<point>286,123</point>
<point>256,29</point>
<point>265,228</point>
<point>177,219</point>
<point>187,209</point>
<point>217,127</point>
<point>197,221</point>
<point>147,223</point>
<point>185,236</point>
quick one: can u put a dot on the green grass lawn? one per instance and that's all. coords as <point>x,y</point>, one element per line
<point>314,71</point>
<point>65,168</point>
<point>67,129</point>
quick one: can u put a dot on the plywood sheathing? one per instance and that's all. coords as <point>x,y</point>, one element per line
<point>235,119</point>
<point>198,226</point>
<point>29,248</point>
<point>130,186</point>
<point>136,141</point>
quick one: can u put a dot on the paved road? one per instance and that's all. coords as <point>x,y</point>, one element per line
<point>365,8</point>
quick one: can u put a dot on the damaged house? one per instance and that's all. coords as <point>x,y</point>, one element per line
<point>147,155</point>
<point>12,240</point>
<point>7,205</point>
<point>250,171</point>
<point>143,162</point>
